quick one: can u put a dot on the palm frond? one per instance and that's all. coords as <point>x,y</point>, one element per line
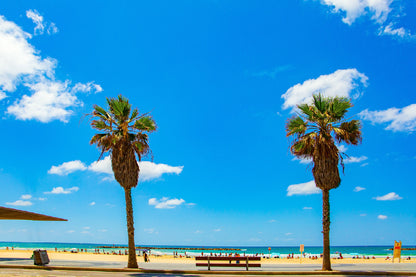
<point>296,126</point>
<point>349,132</point>
<point>146,124</point>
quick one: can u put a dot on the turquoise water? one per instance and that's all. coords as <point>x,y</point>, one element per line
<point>347,251</point>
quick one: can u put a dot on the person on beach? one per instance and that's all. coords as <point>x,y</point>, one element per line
<point>146,259</point>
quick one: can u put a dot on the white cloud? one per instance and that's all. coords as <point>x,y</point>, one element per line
<point>19,58</point>
<point>403,119</point>
<point>61,190</point>
<point>87,228</point>
<point>353,9</point>
<point>342,148</point>
<point>303,189</point>
<point>382,217</point>
<point>21,65</point>
<point>307,208</point>
<point>364,164</point>
<point>151,231</point>
<point>70,231</point>
<point>391,30</point>
<point>67,167</point>
<point>37,19</point>
<point>26,196</point>
<point>102,166</point>
<point>388,197</point>
<point>351,159</point>
<point>358,188</point>
<point>92,203</point>
<point>41,198</point>
<point>340,83</point>
<point>40,23</point>
<point>166,203</point>
<point>376,10</point>
<point>50,101</point>
<point>302,160</point>
<point>88,87</point>
<point>149,170</point>
<point>20,203</point>
<point>52,29</point>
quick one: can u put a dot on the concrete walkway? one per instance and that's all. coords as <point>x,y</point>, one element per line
<point>25,267</point>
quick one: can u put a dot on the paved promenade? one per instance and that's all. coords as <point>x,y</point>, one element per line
<point>177,269</point>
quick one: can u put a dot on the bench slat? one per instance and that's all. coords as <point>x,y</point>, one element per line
<point>205,258</point>
<point>227,265</point>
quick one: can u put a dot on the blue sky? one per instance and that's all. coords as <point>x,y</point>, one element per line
<point>220,78</point>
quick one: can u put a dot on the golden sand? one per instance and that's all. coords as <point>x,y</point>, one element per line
<point>67,256</point>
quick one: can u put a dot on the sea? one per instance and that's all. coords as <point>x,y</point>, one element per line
<point>185,250</point>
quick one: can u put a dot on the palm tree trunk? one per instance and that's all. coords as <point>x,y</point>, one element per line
<point>326,262</point>
<point>132,263</point>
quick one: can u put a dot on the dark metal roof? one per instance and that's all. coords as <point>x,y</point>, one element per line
<point>9,213</point>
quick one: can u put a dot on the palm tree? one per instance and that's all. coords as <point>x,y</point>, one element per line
<point>124,135</point>
<point>315,130</point>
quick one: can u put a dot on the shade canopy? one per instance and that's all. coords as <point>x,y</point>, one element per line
<point>9,213</point>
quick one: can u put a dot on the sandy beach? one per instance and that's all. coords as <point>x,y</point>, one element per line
<point>67,256</point>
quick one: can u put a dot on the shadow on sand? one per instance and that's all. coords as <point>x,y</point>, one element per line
<point>14,259</point>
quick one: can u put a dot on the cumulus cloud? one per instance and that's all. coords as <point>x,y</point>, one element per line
<point>358,188</point>
<point>351,159</point>
<point>148,170</point>
<point>388,197</point>
<point>165,203</point>
<point>66,168</point>
<point>26,196</point>
<point>342,148</point>
<point>20,203</point>
<point>61,190</point>
<point>50,101</point>
<point>88,87</point>
<point>342,82</point>
<point>400,32</point>
<point>397,119</point>
<point>303,189</point>
<point>353,9</point>
<point>377,10</point>
<point>302,160</point>
<point>382,217</point>
<point>92,203</point>
<point>37,19</point>
<point>41,24</point>
<point>102,166</point>
<point>48,98</point>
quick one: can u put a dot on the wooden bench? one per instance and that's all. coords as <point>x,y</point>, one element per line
<point>232,261</point>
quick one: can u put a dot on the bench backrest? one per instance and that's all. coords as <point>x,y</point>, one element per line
<point>211,258</point>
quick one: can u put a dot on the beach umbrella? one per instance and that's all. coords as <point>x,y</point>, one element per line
<point>14,214</point>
